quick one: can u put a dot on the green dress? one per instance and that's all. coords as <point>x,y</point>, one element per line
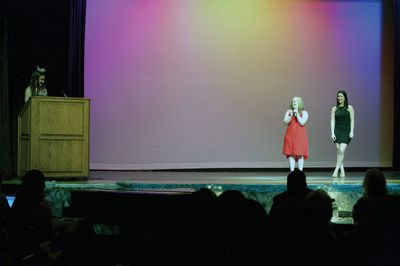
<point>39,92</point>
<point>342,125</point>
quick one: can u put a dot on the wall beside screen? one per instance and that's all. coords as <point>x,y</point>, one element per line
<point>182,84</point>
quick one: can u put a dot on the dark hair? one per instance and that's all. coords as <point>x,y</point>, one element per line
<point>346,100</point>
<point>296,180</point>
<point>374,183</point>
<point>319,206</point>
<point>34,82</point>
<point>231,196</point>
<point>33,185</point>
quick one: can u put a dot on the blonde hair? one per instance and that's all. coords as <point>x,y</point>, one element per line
<point>300,104</point>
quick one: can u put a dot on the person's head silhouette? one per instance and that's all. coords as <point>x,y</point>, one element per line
<point>296,181</point>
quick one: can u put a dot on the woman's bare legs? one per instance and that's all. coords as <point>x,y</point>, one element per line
<point>340,150</point>
<point>300,162</point>
<point>292,163</point>
<point>342,172</point>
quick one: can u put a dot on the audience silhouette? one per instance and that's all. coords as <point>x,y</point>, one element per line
<point>321,239</point>
<point>296,187</point>
<point>229,229</point>
<point>30,221</point>
<point>374,185</point>
<point>375,239</point>
<point>30,209</point>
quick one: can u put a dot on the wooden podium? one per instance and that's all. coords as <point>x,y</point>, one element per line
<point>53,136</point>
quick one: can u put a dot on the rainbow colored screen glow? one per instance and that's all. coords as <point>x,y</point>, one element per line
<point>205,83</point>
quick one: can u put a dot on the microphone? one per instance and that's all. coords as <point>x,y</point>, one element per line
<point>294,113</point>
<point>63,93</point>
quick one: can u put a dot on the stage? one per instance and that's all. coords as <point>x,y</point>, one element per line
<point>255,184</point>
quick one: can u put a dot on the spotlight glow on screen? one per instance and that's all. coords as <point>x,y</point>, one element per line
<point>205,84</point>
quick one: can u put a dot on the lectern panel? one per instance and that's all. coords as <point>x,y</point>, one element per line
<point>24,153</point>
<point>61,156</point>
<point>58,118</point>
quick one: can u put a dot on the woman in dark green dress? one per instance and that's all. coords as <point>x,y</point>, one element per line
<point>342,129</point>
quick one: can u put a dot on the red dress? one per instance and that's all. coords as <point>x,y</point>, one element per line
<point>296,140</point>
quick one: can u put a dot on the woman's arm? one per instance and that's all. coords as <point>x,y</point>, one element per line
<point>333,123</point>
<point>303,118</point>
<point>287,117</point>
<point>351,110</point>
<point>28,93</point>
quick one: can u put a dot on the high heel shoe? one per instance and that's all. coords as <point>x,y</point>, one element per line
<point>335,174</point>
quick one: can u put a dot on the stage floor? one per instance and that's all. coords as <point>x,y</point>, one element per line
<point>225,177</point>
<point>249,177</point>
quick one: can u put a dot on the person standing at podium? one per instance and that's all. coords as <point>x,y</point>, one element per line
<point>37,86</point>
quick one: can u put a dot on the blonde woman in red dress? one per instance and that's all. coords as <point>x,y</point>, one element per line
<point>295,145</point>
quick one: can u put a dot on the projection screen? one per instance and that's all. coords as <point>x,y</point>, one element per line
<point>181,84</point>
